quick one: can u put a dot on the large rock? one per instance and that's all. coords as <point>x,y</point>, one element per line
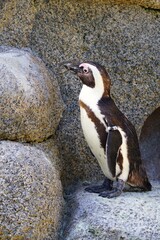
<point>131,216</point>
<point>124,39</point>
<point>31,104</point>
<point>122,34</point>
<point>30,194</point>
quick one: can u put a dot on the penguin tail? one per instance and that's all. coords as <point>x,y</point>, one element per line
<point>138,179</point>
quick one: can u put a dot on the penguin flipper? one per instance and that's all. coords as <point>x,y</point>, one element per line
<point>114,141</point>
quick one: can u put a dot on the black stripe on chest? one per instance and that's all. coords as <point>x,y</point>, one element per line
<point>100,128</point>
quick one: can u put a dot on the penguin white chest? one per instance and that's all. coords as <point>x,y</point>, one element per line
<point>92,137</point>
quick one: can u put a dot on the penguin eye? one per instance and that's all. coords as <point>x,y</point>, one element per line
<point>85,70</point>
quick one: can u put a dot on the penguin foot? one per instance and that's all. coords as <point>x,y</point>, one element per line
<point>110,194</point>
<point>115,192</point>
<point>95,189</point>
<point>107,185</point>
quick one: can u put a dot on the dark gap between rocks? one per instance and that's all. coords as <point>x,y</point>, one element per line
<point>150,144</point>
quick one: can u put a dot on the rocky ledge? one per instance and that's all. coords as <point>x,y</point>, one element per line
<point>131,216</point>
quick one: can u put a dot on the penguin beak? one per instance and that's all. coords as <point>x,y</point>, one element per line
<point>72,67</point>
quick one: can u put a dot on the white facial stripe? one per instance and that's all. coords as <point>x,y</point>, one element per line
<point>97,76</point>
<point>91,96</point>
<point>84,65</point>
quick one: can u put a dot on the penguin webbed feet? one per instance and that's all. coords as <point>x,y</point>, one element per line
<point>106,186</point>
<point>117,190</point>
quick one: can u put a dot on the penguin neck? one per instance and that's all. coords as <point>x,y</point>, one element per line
<point>90,96</point>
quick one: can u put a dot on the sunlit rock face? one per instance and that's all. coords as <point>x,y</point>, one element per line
<point>31,105</point>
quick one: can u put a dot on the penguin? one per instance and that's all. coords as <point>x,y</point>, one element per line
<point>110,135</point>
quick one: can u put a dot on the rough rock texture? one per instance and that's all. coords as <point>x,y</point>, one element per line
<point>30,194</point>
<point>131,216</point>
<point>124,39</point>
<point>122,35</point>
<point>50,148</point>
<point>31,105</point>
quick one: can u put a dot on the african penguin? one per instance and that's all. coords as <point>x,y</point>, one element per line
<point>110,135</point>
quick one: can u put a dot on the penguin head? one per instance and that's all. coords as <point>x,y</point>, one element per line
<point>93,75</point>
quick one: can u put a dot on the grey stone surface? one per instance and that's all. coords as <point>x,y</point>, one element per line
<point>131,216</point>
<point>122,35</point>
<point>30,194</point>
<point>50,148</point>
<point>31,105</point>
<point>123,38</point>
